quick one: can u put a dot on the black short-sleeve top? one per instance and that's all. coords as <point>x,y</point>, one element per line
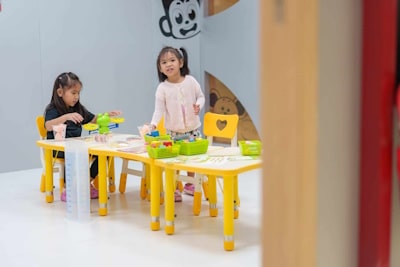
<point>73,130</point>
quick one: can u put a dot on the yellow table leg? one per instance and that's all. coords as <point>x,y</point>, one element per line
<point>179,185</point>
<point>148,181</point>
<point>197,203</point>
<point>43,182</point>
<point>161,190</point>
<point>155,179</point>
<point>197,196</point>
<point>236,200</point>
<point>111,175</point>
<point>122,182</point>
<point>102,185</point>
<point>143,188</point>
<point>229,243</point>
<point>169,201</point>
<point>48,157</point>
<point>212,195</point>
<point>205,189</point>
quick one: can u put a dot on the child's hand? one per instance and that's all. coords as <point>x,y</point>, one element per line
<point>114,113</point>
<point>150,127</point>
<point>145,129</point>
<point>196,109</point>
<point>74,117</point>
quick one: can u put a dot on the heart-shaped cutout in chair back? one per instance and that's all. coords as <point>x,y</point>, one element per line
<point>221,124</point>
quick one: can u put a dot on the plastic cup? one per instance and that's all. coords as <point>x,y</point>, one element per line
<point>143,130</point>
<point>59,131</point>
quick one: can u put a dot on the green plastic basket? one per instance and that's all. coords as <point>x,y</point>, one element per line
<point>163,152</point>
<point>149,138</point>
<point>193,148</point>
<point>250,148</point>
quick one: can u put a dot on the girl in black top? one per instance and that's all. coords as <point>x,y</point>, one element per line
<point>65,108</point>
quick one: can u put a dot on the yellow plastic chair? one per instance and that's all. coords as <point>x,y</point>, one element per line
<point>219,126</point>
<point>215,125</point>
<point>58,163</point>
<point>143,172</point>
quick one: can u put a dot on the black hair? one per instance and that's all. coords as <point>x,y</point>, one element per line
<point>65,81</point>
<point>180,55</point>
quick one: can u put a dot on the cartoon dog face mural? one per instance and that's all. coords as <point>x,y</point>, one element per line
<point>222,103</point>
<point>181,20</point>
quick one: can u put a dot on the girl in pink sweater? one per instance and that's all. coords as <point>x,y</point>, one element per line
<point>179,99</point>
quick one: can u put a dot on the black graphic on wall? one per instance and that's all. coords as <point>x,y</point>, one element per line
<point>181,19</point>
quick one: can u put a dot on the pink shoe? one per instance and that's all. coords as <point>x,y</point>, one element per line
<point>178,196</point>
<point>189,189</point>
<point>63,196</point>
<point>94,193</point>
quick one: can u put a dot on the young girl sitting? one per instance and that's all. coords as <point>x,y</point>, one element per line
<point>65,108</point>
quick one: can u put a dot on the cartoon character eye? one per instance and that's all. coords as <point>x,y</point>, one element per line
<point>192,14</point>
<point>178,18</point>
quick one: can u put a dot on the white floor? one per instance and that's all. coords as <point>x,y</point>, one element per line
<point>36,233</point>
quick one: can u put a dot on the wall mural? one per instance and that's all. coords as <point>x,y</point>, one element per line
<point>216,6</point>
<point>181,18</point>
<point>223,101</point>
<point>179,21</point>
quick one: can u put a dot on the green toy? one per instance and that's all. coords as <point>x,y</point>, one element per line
<point>103,120</point>
<point>103,124</point>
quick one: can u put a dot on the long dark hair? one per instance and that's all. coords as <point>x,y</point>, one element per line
<point>65,81</point>
<point>179,55</point>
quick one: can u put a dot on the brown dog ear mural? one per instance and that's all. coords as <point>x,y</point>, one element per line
<point>216,6</point>
<point>223,101</point>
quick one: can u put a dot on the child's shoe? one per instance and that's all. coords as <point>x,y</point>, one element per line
<point>94,193</point>
<point>189,189</point>
<point>63,196</point>
<point>178,196</point>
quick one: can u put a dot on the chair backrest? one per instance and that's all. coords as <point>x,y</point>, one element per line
<point>41,128</point>
<point>221,125</point>
<point>42,134</point>
<point>161,128</point>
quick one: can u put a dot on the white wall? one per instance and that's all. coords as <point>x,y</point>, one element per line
<point>107,44</point>
<point>230,51</point>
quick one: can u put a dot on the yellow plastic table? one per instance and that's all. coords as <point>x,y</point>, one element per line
<point>154,178</point>
<point>228,167</point>
<point>102,152</point>
<point>108,151</point>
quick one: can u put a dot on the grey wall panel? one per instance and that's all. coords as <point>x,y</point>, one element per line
<point>230,52</point>
<point>107,45</point>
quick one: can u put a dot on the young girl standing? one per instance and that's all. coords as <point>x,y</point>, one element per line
<point>65,108</point>
<point>179,99</point>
